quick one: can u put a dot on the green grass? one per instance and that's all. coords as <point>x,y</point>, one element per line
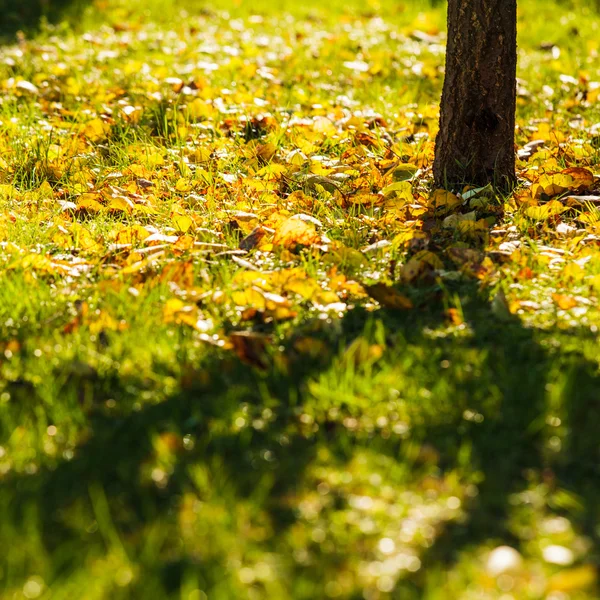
<point>302,441</point>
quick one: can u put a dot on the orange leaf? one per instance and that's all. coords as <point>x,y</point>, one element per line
<point>564,302</point>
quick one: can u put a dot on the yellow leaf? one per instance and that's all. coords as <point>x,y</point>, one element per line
<point>245,278</point>
<point>473,229</point>
<point>7,191</point>
<point>409,237</point>
<point>182,222</point>
<point>172,307</point>
<point>446,201</point>
<point>304,287</point>
<point>325,297</point>
<point>131,235</point>
<point>200,155</point>
<point>89,203</point>
<point>249,297</point>
<point>325,126</point>
<point>404,172</point>
<point>120,204</point>
<point>574,179</point>
<point>411,270</point>
<point>102,321</point>
<point>199,109</point>
<point>551,185</point>
<point>344,256</point>
<point>37,262</point>
<point>572,580</point>
<point>549,133</point>
<point>294,231</point>
<point>581,178</point>
<point>154,159</point>
<point>453,221</point>
<point>183,185</point>
<point>420,263</point>
<point>388,297</point>
<point>62,238</point>
<point>401,189</point>
<point>545,211</point>
<point>573,271</point>
<point>266,151</point>
<point>176,311</point>
<point>82,237</point>
<point>96,130</point>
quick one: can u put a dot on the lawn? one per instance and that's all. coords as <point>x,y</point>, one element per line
<point>247,350</point>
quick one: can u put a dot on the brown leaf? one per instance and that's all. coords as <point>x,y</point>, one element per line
<point>251,347</point>
<point>582,178</point>
<point>253,239</point>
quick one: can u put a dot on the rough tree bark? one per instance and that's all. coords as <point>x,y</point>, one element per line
<point>477,122</point>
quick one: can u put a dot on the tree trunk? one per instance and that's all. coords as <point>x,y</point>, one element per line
<point>475,144</point>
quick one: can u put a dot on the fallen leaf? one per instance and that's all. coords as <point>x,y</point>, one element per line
<point>443,201</point>
<point>571,580</point>
<point>293,232</point>
<point>251,347</point>
<point>182,222</point>
<point>388,297</point>
<point>573,179</point>
<point>564,302</point>
<point>545,211</point>
<point>253,239</point>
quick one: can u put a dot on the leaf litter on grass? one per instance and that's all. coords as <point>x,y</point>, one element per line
<point>237,186</point>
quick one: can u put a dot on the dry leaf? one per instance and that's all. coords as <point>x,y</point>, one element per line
<point>293,232</point>
<point>251,347</point>
<point>388,297</point>
<point>564,302</point>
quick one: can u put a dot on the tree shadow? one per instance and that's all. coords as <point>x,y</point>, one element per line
<point>27,15</point>
<point>506,447</point>
<point>539,385</point>
<point>121,447</point>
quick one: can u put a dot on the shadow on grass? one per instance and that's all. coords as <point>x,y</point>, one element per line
<point>523,368</point>
<point>26,15</point>
<point>506,447</point>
